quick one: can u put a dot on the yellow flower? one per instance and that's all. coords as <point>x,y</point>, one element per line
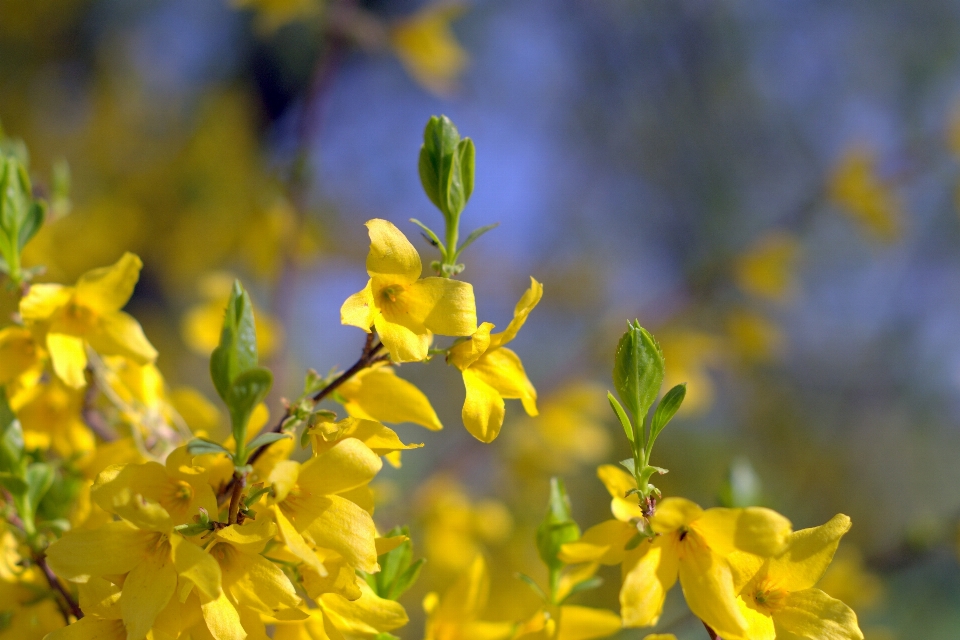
<point>405,309</point>
<point>377,393</point>
<point>767,269</point>
<point>571,622</point>
<point>754,337</point>
<point>776,595</point>
<point>311,512</point>
<point>455,616</point>
<point>89,314</point>
<point>858,189</point>
<point>202,323</point>
<point>19,353</point>
<point>428,48</point>
<point>690,544</point>
<point>51,416</point>
<point>380,439</point>
<point>23,614</point>
<point>152,558</point>
<point>491,372</point>
<point>692,355</point>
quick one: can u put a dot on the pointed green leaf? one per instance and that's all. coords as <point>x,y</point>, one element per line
<point>433,236</point>
<point>237,350</point>
<point>32,223</point>
<point>666,410</point>
<point>585,585</point>
<point>466,161</point>
<point>533,585</point>
<point>437,160</point>
<point>476,233</point>
<point>621,415</point>
<point>558,526</point>
<point>246,391</point>
<point>202,446</point>
<point>638,370</point>
<point>266,438</point>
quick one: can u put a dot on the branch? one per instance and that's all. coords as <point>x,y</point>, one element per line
<point>68,606</point>
<point>713,634</point>
<point>371,355</point>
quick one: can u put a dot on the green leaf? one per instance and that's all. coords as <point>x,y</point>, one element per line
<point>629,464</point>
<point>585,585</point>
<point>406,579</point>
<point>39,477</point>
<point>476,233</point>
<point>433,236</point>
<point>11,438</point>
<point>202,446</point>
<point>32,223</point>
<point>558,526</point>
<point>193,528</point>
<point>246,391</point>
<point>466,161</point>
<point>13,484</point>
<point>266,438</point>
<point>438,158</point>
<point>666,410</point>
<point>638,370</point>
<point>533,585</point>
<point>237,351</point>
<point>621,415</point>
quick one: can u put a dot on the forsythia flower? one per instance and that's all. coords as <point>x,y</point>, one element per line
<point>768,268</point>
<point>690,544</point>
<point>404,308</point>
<point>88,314</point>
<point>377,393</point>
<point>777,597</point>
<point>491,372</point>
<point>428,48</point>
<point>455,615</point>
<point>571,622</point>
<point>859,190</point>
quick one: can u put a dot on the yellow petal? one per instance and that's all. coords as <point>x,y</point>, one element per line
<point>379,394</point>
<point>527,302</point>
<point>744,567</point>
<point>756,530</point>
<point>366,616</point>
<point>501,369</point>
<point>254,581</point>
<point>603,543</point>
<point>391,254</point>
<point>673,513</point>
<point>379,438</point>
<point>403,344</point>
<point>659,636</point>
<point>251,536</point>
<point>42,300</point>
<point>585,623</point>
<point>483,408</point>
<point>18,353</point>
<point>346,465</point>
<point>464,354</point>
<point>649,572</point>
<point>222,619</point>
<point>317,627</point>
<point>347,529</point>
<point>121,335</point>
<point>358,309</point>
<point>79,552</point>
<point>759,623</point>
<point>68,358</point>
<point>618,482</point>
<point>197,566</point>
<point>341,579</point>
<point>809,553</point>
<point>100,598</point>
<point>708,588</point>
<point>146,590</point>
<point>90,629</point>
<point>574,576</point>
<point>296,544</point>
<point>108,288</point>
<point>813,614</point>
<point>444,306</point>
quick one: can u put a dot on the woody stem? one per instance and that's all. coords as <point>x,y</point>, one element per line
<point>239,482</point>
<point>713,634</point>
<point>68,606</point>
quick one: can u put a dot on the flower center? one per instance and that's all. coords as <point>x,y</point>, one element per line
<point>79,318</point>
<point>769,597</point>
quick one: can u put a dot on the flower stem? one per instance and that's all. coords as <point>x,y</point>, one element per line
<point>68,606</point>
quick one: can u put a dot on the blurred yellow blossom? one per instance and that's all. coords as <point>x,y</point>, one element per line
<point>456,615</point>
<point>691,354</point>
<point>849,580</point>
<point>428,48</point>
<point>857,188</point>
<point>201,323</point>
<point>88,314</point>
<point>754,337</point>
<point>569,431</point>
<point>455,528</point>
<point>768,268</point>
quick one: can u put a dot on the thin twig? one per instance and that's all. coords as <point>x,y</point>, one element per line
<point>239,482</point>
<point>371,355</point>
<point>68,606</point>
<point>711,632</point>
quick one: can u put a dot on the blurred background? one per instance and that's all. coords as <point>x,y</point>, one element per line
<point>771,188</point>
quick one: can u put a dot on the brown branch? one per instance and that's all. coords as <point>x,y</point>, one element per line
<point>68,606</point>
<point>371,355</point>
<point>713,634</point>
<point>239,482</point>
<point>91,416</point>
